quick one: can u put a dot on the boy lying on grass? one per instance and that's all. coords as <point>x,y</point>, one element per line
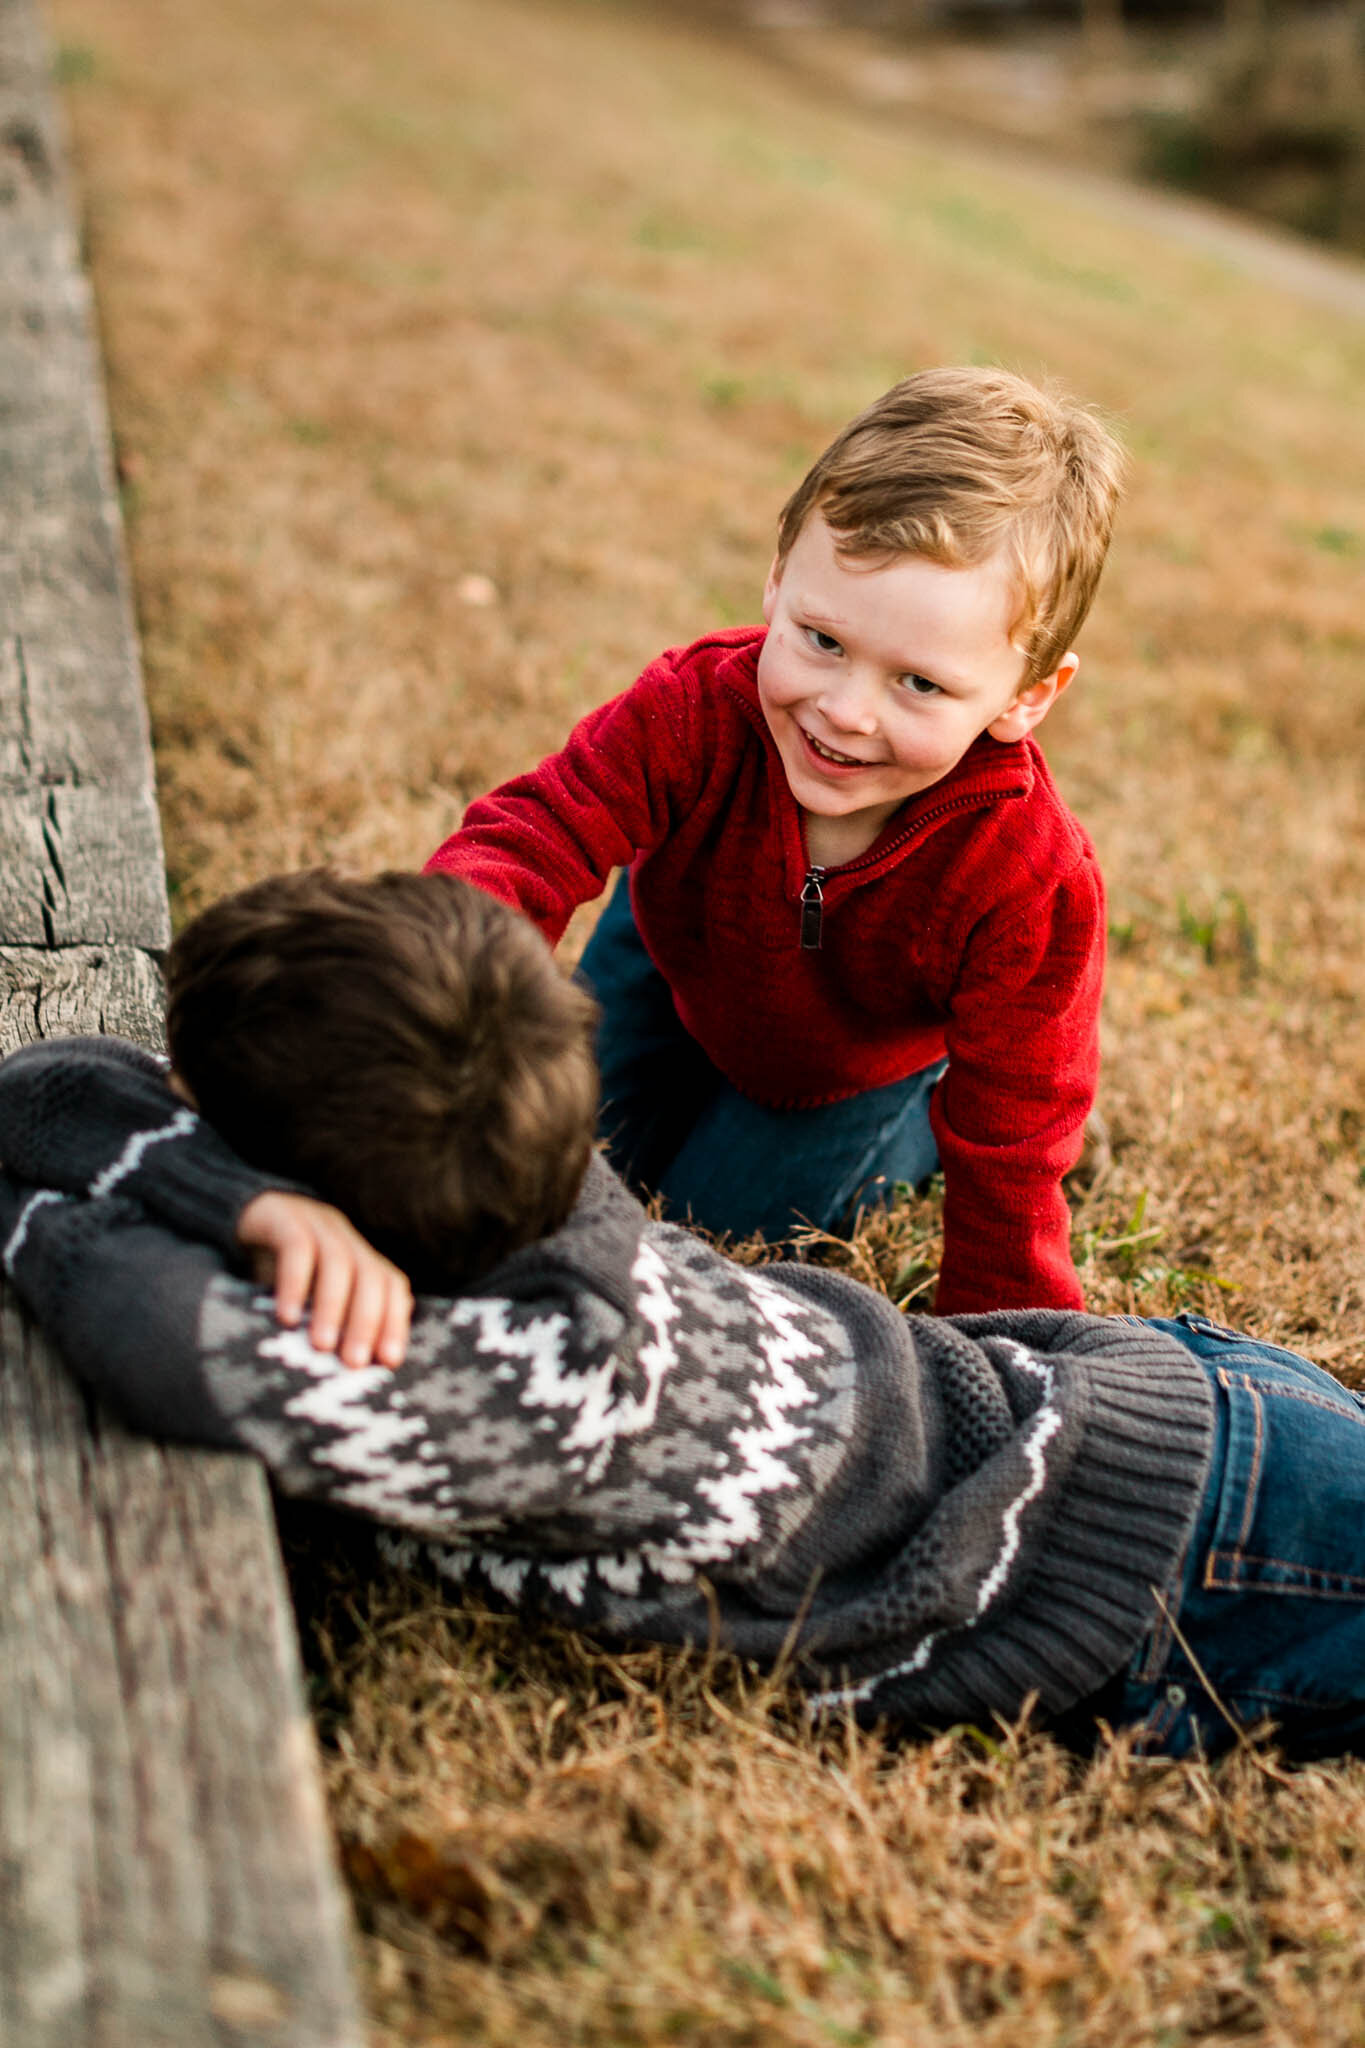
<point>847,857</point>
<point>605,1421</point>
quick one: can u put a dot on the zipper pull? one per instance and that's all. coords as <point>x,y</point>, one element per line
<point>812,909</point>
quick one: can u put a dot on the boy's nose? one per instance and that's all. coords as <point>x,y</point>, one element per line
<point>849,705</point>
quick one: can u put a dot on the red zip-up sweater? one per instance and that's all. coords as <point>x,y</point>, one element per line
<point>974,924</point>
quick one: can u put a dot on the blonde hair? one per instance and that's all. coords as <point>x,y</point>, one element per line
<point>957,464</point>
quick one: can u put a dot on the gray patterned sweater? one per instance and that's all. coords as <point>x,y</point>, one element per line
<point>623,1429</point>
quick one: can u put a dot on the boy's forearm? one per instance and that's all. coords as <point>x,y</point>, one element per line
<point>994,1261</point>
<point>1006,1222</point>
<point>96,1117</point>
<point>1009,1117</point>
<point>549,840</point>
<point>514,844</point>
<point>119,1295</point>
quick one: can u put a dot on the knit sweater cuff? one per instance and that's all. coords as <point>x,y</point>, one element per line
<point>200,1187</point>
<point>1120,1531</point>
<point>94,1118</point>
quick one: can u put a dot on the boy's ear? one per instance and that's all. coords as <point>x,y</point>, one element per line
<point>1033,702</point>
<point>770,590</point>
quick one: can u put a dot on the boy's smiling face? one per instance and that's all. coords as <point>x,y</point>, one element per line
<point>879,672</point>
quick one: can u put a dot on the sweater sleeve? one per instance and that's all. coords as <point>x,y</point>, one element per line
<point>1023,1058</point>
<point>511,1406</point>
<point>95,1116</point>
<point>549,840</point>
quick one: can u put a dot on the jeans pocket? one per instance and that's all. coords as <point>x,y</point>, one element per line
<point>1291,1508</point>
<point>1269,1624</point>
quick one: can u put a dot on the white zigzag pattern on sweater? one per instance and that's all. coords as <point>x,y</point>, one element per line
<point>39,1200</point>
<point>758,1468</point>
<point>130,1158</point>
<point>336,1397</point>
<point>376,1446</point>
<point>761,1467</point>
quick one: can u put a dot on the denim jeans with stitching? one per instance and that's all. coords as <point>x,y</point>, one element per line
<point>674,1126</point>
<point>1268,1621</point>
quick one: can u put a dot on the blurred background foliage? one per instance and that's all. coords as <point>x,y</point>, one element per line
<point>1258,104</point>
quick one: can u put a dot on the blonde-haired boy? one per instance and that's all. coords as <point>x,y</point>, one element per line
<point>863,936</point>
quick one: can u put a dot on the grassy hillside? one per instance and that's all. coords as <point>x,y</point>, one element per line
<point>460,357</point>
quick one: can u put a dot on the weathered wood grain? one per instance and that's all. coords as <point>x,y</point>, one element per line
<point>80,844</point>
<point>165,1867</point>
<point>49,734</point>
<point>160,1880</point>
<point>81,865</point>
<point>80,989</point>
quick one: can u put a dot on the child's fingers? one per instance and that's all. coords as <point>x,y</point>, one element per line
<point>378,1314</point>
<point>393,1332</point>
<point>333,1284</point>
<point>364,1313</point>
<point>295,1258</point>
<point>279,1231</point>
<point>361,1303</point>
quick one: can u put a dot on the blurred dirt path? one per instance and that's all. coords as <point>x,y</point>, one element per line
<point>884,80</point>
<point>1272,255</point>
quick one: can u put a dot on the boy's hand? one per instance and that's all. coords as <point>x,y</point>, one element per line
<point>362,1304</point>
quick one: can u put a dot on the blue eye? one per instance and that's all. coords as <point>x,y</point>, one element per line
<point>920,686</point>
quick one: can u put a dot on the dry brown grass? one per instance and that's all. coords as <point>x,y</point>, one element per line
<point>552,1845</point>
<point>559,297</point>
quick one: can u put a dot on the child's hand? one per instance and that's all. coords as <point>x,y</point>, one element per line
<point>362,1304</point>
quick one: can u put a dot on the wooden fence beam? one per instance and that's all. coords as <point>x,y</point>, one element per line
<point>166,1871</point>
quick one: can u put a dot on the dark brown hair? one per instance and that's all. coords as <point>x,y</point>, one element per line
<point>406,1046</point>
<point>958,463</point>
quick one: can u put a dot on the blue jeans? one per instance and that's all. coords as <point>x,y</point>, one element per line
<point>674,1125</point>
<point>1271,1607</point>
